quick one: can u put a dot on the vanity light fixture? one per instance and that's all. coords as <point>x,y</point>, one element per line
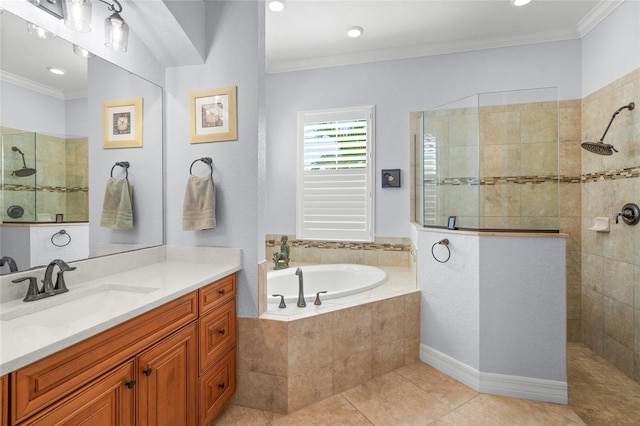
<point>80,51</point>
<point>78,15</point>
<point>355,32</point>
<point>519,3</point>
<point>35,30</point>
<point>277,5</point>
<point>56,71</point>
<point>116,31</point>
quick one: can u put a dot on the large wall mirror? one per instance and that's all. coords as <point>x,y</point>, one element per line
<point>55,165</point>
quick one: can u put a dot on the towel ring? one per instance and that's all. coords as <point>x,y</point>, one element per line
<point>125,165</point>
<point>445,243</point>
<point>61,232</point>
<point>206,160</point>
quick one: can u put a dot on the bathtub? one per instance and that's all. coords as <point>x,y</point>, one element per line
<point>338,280</point>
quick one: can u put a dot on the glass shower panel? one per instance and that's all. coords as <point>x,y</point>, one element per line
<point>491,160</point>
<point>450,164</point>
<point>519,148</point>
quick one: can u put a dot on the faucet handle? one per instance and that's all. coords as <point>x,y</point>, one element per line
<point>32,292</point>
<point>60,286</point>
<point>282,304</point>
<point>317,301</point>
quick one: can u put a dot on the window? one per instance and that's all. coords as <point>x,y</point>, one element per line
<point>335,174</point>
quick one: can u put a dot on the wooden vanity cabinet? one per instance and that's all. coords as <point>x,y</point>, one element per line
<point>145,371</point>
<point>4,401</point>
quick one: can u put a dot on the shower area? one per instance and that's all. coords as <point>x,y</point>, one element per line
<point>488,162</point>
<point>44,178</point>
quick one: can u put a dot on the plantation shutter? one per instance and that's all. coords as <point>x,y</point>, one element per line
<point>335,175</point>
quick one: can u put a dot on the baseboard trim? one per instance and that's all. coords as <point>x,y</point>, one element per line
<point>496,384</point>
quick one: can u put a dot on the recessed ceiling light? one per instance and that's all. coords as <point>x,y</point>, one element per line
<point>520,2</point>
<point>276,5</point>
<point>57,71</point>
<point>355,32</point>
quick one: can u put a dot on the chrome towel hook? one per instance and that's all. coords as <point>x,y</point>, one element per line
<point>445,243</point>
<point>206,160</point>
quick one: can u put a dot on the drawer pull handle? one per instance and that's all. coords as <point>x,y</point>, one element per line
<point>130,384</point>
<point>221,332</point>
<point>223,291</point>
<point>147,371</point>
<point>221,386</point>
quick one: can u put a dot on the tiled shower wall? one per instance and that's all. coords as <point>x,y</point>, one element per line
<point>60,184</point>
<point>611,261</point>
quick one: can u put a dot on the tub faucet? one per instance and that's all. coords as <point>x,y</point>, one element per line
<point>60,286</point>
<point>301,301</point>
<point>13,267</point>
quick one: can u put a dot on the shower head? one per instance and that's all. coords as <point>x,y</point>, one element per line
<point>600,147</point>
<point>24,171</point>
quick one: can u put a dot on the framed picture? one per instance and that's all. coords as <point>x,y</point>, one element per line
<point>122,123</point>
<point>391,178</point>
<point>213,115</point>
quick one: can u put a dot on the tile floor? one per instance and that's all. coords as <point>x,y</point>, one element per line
<point>419,395</point>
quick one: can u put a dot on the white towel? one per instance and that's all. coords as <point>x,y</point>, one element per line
<point>117,211</point>
<point>199,208</point>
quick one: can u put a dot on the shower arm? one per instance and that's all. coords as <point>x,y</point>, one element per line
<point>631,106</point>
<point>24,163</point>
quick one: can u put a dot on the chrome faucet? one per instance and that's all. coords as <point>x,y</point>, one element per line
<point>60,286</point>
<point>13,267</point>
<point>301,301</point>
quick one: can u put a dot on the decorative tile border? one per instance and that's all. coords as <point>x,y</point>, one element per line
<point>61,189</point>
<point>627,173</point>
<point>340,245</point>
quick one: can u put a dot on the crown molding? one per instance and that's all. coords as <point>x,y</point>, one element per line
<point>16,80</point>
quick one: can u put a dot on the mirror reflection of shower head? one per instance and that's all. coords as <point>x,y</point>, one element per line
<point>24,171</point>
<point>600,147</point>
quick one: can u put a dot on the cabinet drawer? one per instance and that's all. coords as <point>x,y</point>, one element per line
<point>217,331</point>
<point>107,401</point>
<point>43,382</point>
<point>217,386</point>
<point>217,293</point>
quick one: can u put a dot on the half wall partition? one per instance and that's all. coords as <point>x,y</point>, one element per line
<point>490,160</point>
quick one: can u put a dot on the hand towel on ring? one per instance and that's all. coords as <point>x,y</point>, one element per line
<point>199,208</point>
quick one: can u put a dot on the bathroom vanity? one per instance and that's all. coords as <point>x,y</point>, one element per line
<point>158,347</point>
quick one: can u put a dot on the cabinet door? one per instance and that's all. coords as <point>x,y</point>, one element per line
<point>4,401</point>
<point>167,381</point>
<point>217,386</point>
<point>107,401</point>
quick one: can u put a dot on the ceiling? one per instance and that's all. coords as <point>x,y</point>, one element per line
<point>312,33</point>
<point>27,65</point>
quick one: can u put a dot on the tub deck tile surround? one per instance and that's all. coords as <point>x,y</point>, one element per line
<point>290,358</point>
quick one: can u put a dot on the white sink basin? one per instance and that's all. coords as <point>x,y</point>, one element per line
<point>77,305</point>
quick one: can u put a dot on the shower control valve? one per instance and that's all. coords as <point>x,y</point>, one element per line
<point>630,214</point>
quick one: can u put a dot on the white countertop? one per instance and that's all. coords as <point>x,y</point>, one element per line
<point>90,307</point>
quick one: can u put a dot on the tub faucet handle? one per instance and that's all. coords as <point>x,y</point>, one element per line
<point>318,302</point>
<point>282,305</point>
